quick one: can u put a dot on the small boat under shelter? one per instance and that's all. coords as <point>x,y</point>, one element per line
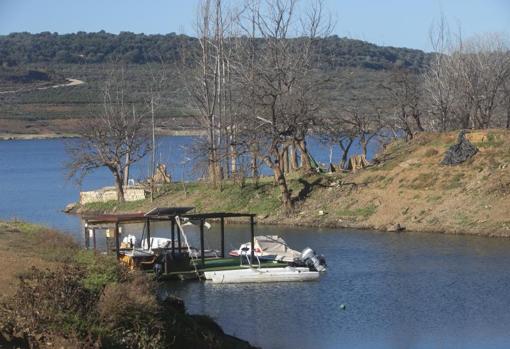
<point>173,257</point>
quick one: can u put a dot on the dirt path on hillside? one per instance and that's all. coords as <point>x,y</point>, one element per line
<point>71,82</point>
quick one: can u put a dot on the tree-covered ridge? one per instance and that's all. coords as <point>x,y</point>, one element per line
<point>101,47</point>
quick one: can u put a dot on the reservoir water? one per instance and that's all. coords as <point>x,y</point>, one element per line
<point>405,290</point>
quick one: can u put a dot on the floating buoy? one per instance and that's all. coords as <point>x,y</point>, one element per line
<point>342,306</point>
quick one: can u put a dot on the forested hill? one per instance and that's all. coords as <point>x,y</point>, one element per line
<point>101,47</point>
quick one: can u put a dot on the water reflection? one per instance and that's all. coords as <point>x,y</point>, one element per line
<point>400,290</point>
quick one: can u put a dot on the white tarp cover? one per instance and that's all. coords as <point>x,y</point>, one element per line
<point>275,245</point>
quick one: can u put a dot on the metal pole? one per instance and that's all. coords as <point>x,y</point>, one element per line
<point>202,242</point>
<point>252,230</point>
<point>179,239</point>
<point>222,237</point>
<point>117,244</point>
<point>149,244</point>
<point>173,237</point>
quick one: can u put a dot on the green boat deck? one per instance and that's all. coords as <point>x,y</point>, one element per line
<point>216,264</point>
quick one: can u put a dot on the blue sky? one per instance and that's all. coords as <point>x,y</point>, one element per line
<point>402,23</point>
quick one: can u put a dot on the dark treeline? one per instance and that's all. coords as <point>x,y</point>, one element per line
<point>127,47</point>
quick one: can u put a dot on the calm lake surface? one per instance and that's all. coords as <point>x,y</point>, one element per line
<point>405,290</point>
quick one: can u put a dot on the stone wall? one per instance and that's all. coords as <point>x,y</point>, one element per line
<point>131,193</point>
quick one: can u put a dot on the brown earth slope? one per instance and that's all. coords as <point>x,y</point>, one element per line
<point>409,187</point>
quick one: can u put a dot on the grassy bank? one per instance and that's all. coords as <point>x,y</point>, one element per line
<point>55,294</point>
<point>406,185</point>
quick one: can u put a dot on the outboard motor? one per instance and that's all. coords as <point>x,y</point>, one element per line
<point>311,260</point>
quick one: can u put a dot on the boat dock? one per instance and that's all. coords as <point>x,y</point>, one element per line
<point>173,260</point>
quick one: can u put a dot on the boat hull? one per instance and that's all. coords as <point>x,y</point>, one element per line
<point>258,275</point>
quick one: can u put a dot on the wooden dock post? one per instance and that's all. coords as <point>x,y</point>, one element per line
<point>94,239</point>
<point>117,242</point>
<point>87,237</point>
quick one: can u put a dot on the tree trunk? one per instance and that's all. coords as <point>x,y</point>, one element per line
<point>282,184</point>
<point>417,119</point>
<point>363,142</point>
<point>211,154</point>
<point>305,157</point>
<point>126,170</point>
<point>293,158</point>
<point>285,159</point>
<point>508,116</point>
<point>233,161</point>
<point>119,187</point>
<point>279,178</point>
<point>345,152</point>
<point>254,168</point>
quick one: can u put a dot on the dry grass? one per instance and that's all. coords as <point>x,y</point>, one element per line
<point>25,245</point>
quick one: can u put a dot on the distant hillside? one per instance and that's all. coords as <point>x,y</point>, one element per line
<point>102,47</point>
<point>353,67</point>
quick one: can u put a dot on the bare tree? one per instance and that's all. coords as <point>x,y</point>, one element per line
<point>333,130</point>
<point>483,67</point>
<point>202,81</point>
<point>506,102</point>
<point>362,122</point>
<point>114,139</point>
<point>156,82</point>
<point>405,95</point>
<point>437,81</point>
<point>465,79</point>
<point>280,90</point>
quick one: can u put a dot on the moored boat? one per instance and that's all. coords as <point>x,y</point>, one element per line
<point>255,275</point>
<point>268,247</point>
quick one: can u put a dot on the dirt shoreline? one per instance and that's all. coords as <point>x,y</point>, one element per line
<point>33,136</point>
<point>474,231</point>
<point>320,223</point>
<point>29,136</point>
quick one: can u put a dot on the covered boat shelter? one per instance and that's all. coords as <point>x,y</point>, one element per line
<point>163,214</point>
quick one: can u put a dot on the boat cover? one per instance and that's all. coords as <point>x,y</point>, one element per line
<point>275,245</point>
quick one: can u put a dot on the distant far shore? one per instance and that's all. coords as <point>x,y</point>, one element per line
<point>7,136</point>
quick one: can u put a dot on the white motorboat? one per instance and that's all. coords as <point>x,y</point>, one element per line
<point>271,247</point>
<point>286,274</point>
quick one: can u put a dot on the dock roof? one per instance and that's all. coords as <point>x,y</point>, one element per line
<point>159,213</point>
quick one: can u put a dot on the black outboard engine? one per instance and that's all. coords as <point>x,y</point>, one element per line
<point>311,260</point>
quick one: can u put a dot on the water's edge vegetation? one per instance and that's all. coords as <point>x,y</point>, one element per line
<point>406,186</point>
<point>53,293</point>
